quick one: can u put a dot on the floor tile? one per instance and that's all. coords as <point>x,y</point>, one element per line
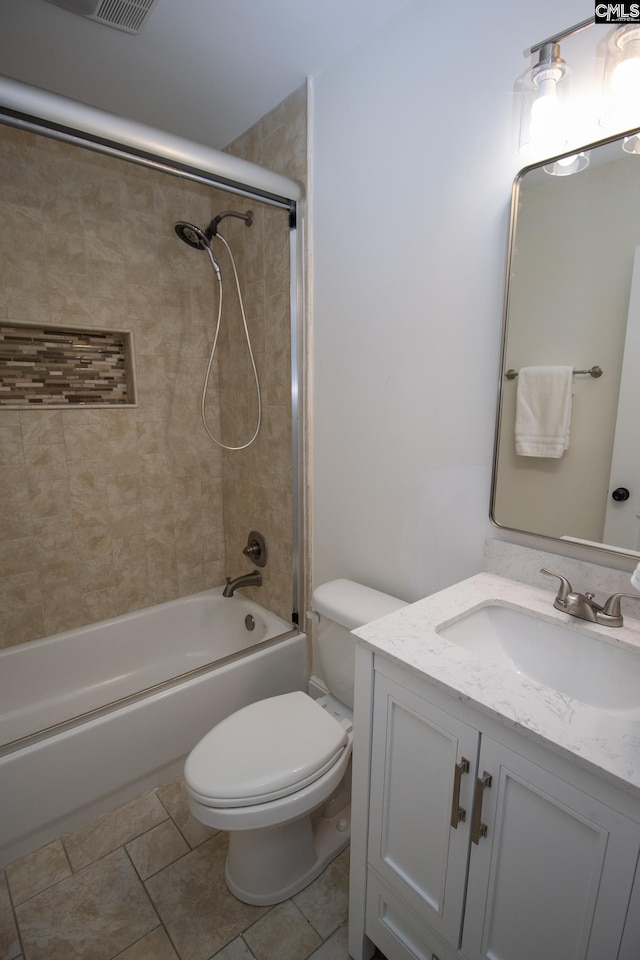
<point>155,946</point>
<point>174,797</point>
<point>335,948</point>
<point>89,916</point>
<point>236,950</point>
<point>9,942</point>
<point>191,897</point>
<point>157,848</point>
<point>325,902</point>
<point>148,884</point>
<point>107,833</point>
<point>37,871</point>
<point>283,933</point>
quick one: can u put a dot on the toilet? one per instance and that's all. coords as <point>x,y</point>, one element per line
<point>276,774</point>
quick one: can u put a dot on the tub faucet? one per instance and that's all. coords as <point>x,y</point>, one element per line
<point>253,579</point>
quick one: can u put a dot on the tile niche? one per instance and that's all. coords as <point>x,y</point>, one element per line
<point>49,367</point>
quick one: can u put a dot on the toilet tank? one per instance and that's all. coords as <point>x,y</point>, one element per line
<point>343,605</point>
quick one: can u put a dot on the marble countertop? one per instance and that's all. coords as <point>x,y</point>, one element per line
<point>606,743</point>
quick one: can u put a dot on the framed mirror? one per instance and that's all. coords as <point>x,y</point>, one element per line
<point>573,300</point>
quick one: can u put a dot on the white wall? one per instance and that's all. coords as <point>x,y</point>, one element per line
<point>413,160</point>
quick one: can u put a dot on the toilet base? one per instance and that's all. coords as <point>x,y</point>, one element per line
<point>268,866</point>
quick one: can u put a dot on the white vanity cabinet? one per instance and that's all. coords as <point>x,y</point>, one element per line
<point>421,757</point>
<point>477,843</point>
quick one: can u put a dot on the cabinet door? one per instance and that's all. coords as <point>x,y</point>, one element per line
<point>413,844</point>
<point>630,949</point>
<point>552,876</point>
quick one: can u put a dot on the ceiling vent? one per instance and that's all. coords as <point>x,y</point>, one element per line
<point>127,15</point>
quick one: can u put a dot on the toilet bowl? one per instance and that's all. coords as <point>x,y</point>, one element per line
<point>276,774</point>
<point>294,757</point>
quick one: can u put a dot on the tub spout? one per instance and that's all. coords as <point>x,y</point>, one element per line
<point>253,579</point>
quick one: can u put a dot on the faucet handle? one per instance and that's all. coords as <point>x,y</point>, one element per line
<point>612,610</point>
<point>565,587</point>
<point>256,548</point>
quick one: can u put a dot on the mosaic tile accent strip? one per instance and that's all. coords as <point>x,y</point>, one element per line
<point>55,366</point>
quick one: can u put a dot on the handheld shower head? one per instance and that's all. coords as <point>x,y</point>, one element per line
<point>198,239</point>
<point>192,235</point>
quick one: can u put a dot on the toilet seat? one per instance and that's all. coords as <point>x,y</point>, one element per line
<point>265,751</point>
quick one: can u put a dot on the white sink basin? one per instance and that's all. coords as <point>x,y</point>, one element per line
<point>573,662</point>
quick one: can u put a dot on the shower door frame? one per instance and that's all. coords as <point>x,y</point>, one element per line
<point>60,118</point>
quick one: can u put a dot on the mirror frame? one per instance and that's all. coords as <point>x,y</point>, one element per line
<point>513,217</point>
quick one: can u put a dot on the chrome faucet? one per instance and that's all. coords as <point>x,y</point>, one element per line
<point>585,607</point>
<point>253,579</point>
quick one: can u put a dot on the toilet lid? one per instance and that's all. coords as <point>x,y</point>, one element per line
<point>264,751</point>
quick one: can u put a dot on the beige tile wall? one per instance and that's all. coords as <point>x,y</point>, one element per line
<point>105,511</point>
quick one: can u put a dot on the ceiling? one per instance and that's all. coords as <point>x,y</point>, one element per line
<point>201,69</point>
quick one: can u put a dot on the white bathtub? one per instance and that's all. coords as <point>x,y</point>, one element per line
<point>93,717</point>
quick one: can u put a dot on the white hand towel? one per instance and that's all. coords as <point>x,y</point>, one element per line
<point>543,411</point>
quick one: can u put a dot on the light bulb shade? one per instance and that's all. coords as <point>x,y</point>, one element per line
<point>543,116</point>
<point>631,144</point>
<point>621,94</point>
<point>567,166</point>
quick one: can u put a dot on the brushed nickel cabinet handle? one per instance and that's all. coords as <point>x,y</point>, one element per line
<point>478,828</point>
<point>458,813</point>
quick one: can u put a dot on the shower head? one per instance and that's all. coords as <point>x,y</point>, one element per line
<point>199,239</point>
<point>192,235</point>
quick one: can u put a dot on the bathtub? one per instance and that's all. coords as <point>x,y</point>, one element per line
<point>93,717</point>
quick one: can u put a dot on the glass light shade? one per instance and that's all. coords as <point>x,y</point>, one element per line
<point>543,118</point>
<point>631,144</point>
<point>622,79</point>
<point>625,79</point>
<point>567,166</point>
<point>543,125</point>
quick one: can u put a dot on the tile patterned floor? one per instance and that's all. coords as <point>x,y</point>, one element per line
<point>146,882</point>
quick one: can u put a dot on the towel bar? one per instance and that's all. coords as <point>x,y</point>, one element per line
<point>592,371</point>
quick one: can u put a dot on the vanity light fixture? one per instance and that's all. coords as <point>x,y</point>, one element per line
<point>544,120</point>
<point>545,111</point>
<point>545,117</point>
